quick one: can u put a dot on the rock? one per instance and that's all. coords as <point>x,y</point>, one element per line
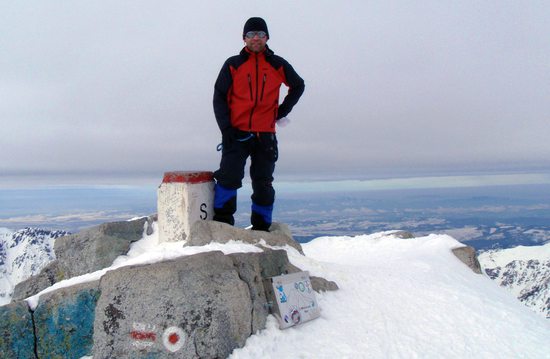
<point>150,219</point>
<point>320,284</point>
<point>402,234</point>
<point>46,278</point>
<point>64,321</point>
<point>252,268</point>
<point>275,262</point>
<point>93,248</point>
<point>468,256</point>
<point>203,305</point>
<point>16,331</point>
<point>280,265</point>
<point>204,232</point>
<point>96,248</point>
<point>194,306</point>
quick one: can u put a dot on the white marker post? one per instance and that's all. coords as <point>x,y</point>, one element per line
<point>183,198</point>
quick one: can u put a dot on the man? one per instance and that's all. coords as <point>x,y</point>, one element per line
<point>246,105</point>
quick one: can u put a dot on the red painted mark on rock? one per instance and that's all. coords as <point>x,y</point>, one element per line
<point>173,338</point>
<point>147,336</point>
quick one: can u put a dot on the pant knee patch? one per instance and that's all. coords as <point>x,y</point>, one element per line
<point>223,195</point>
<point>265,212</point>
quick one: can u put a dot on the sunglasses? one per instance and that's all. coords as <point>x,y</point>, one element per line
<point>251,34</point>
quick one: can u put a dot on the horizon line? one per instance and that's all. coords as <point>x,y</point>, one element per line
<point>315,184</point>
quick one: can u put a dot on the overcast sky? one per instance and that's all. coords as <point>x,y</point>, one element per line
<point>392,87</point>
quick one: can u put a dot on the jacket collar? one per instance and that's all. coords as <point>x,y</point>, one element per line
<point>267,52</point>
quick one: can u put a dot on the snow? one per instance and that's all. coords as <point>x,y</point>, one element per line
<point>23,253</point>
<point>398,298</point>
<point>39,255</point>
<point>524,271</point>
<point>500,258</point>
<point>4,232</point>
<point>402,298</point>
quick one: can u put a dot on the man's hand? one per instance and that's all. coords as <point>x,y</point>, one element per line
<point>283,121</point>
<point>229,135</point>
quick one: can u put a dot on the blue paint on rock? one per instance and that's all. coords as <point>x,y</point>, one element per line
<point>65,324</point>
<point>16,331</point>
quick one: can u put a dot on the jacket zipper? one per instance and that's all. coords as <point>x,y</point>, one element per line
<point>250,87</point>
<point>256,98</point>
<point>263,86</point>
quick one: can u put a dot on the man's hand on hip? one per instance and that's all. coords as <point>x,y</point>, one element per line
<point>283,122</point>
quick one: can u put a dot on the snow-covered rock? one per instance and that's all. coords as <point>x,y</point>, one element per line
<point>398,298</point>
<point>90,250</point>
<point>23,253</point>
<point>208,301</point>
<point>524,271</point>
<point>97,247</point>
<point>205,232</point>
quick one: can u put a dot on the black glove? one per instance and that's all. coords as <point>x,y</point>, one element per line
<point>229,135</point>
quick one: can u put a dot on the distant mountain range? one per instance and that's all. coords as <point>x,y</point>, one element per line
<point>525,271</point>
<point>24,253</point>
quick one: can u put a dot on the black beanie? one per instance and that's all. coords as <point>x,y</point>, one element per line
<point>255,24</point>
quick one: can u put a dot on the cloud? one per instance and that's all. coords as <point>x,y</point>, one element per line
<point>69,218</point>
<point>393,87</point>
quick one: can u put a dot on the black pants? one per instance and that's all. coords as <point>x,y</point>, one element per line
<point>263,153</point>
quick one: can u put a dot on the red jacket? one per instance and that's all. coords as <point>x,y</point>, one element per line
<point>246,93</point>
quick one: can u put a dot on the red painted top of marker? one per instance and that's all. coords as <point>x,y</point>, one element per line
<point>188,177</point>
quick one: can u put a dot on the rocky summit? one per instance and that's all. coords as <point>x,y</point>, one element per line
<point>196,306</point>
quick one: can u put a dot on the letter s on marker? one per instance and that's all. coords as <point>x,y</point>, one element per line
<point>204,214</point>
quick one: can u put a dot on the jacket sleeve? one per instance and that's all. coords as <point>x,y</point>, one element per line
<point>296,87</point>
<point>221,90</point>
